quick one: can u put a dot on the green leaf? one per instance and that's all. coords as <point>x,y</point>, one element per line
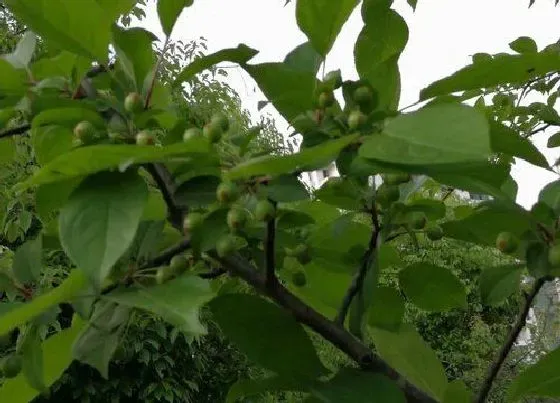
<point>214,227</point>
<point>135,56</point>
<point>524,45</point>
<point>21,56</point>
<point>304,58</point>
<point>550,195</point>
<point>387,309</point>
<point>412,3</point>
<point>28,261</point>
<point>499,282</point>
<point>307,159</point>
<point>245,388</point>
<point>343,193</point>
<point>12,80</point>
<point>85,161</point>
<point>57,357</point>
<point>412,357</point>
<point>554,140</point>
<point>508,141</point>
<point>540,379</point>
<point>439,134</point>
<point>177,301</point>
<point>322,20</point>
<point>287,189</point>
<point>351,385</point>
<point>82,28</point>
<point>115,8</point>
<point>499,70</point>
<point>169,11</point>
<point>32,354</point>
<point>7,150</point>
<point>242,54</point>
<point>52,196</point>
<point>457,392</point>
<point>23,313</point>
<point>51,141</point>
<point>432,288</point>
<point>290,219</point>
<point>433,209</point>
<point>99,221</point>
<point>198,191</point>
<point>290,90</point>
<point>241,316</point>
<point>155,209</point>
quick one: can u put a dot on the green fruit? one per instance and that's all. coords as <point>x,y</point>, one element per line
<point>434,233</point>
<point>265,211</point>
<point>236,219</point>
<point>356,120</point>
<point>554,255</point>
<point>178,264</point>
<point>363,95</point>
<point>227,192</point>
<point>11,366</point>
<point>302,253</point>
<point>77,142</point>
<point>192,222</point>
<point>417,220</point>
<point>225,246</point>
<point>144,138</point>
<point>506,242</point>
<point>326,99</point>
<point>84,131</point>
<point>163,274</point>
<point>221,121</point>
<point>133,103</point>
<point>396,179</point>
<point>387,194</point>
<point>114,136</point>
<point>213,132</point>
<point>192,133</point>
<point>299,279</point>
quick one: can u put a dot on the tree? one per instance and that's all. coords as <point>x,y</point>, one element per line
<point>129,186</point>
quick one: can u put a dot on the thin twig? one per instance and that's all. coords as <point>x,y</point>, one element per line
<point>213,274</point>
<point>166,185</point>
<point>167,254</point>
<point>15,131</point>
<point>510,341</point>
<point>447,194</point>
<point>538,129</point>
<point>269,253</point>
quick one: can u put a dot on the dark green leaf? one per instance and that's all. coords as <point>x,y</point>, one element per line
<point>88,160</point>
<point>432,288</point>
<point>540,379</point>
<point>536,256</point>
<point>169,11</point>
<point>198,191</point>
<point>7,150</point>
<point>457,392</point>
<point>290,219</point>
<point>286,189</point>
<point>82,28</point>
<point>322,20</point>
<point>241,316</point>
<point>440,134</point>
<point>387,309</point>
<point>343,193</point>
<point>245,388</point>
<point>32,353</point>
<point>28,261</point>
<point>99,221</point>
<point>411,356</point>
<point>354,386</point>
<point>135,56</point>
<point>114,8</point>
<point>51,141</point>
<point>554,140</point>
<point>508,141</point>
<point>499,282</point>
<point>214,227</point>
<point>503,69</point>
<point>307,159</point>
<point>433,209</point>
<point>177,301</point>
<point>304,58</point>
<point>242,54</point>
<point>412,3</point>
<point>52,196</point>
<point>550,195</point>
<point>523,45</point>
<point>11,80</point>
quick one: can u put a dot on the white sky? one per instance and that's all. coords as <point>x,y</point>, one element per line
<point>443,36</point>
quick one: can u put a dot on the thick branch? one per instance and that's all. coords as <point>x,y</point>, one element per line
<point>332,332</point>
<point>165,184</point>
<point>269,253</point>
<point>510,341</point>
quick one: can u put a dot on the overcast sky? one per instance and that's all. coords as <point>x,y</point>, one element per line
<point>443,36</point>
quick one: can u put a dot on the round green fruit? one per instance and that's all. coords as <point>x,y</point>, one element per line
<point>213,132</point>
<point>434,233</point>
<point>554,255</point>
<point>236,219</point>
<point>144,138</point>
<point>396,179</point>
<point>363,95</point>
<point>192,222</point>
<point>192,133</point>
<point>387,194</point>
<point>11,366</point>
<point>356,120</point>
<point>299,279</point>
<point>221,121</point>
<point>163,274</point>
<point>417,220</point>
<point>265,211</point>
<point>227,192</point>
<point>178,264</point>
<point>225,246</point>
<point>506,242</point>
<point>133,103</point>
<point>84,131</point>
<point>326,99</point>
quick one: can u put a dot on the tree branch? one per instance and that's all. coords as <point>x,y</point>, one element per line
<point>510,341</point>
<point>165,184</point>
<point>15,131</point>
<point>332,332</point>
<point>167,254</point>
<point>269,253</point>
